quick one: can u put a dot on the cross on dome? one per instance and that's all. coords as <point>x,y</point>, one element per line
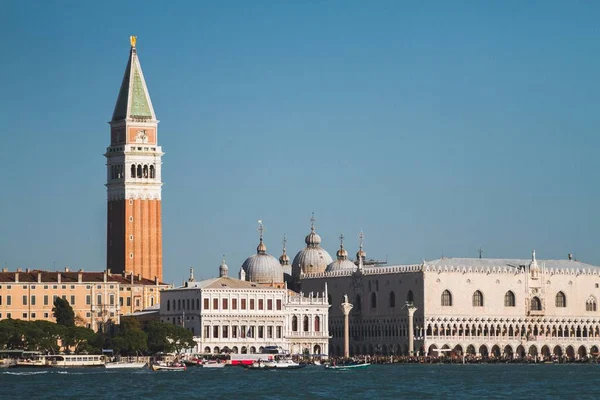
<point>261,228</point>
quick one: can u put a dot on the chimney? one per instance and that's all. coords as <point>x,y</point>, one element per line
<point>80,276</point>
<point>17,275</point>
<point>105,276</point>
<point>156,280</point>
<point>66,269</point>
<point>58,277</point>
<point>4,269</point>
<point>27,270</point>
<point>140,277</point>
<point>132,277</point>
<point>39,277</point>
<point>19,270</point>
<point>109,272</point>
<point>570,256</point>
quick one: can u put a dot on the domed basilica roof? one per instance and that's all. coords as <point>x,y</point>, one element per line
<point>262,267</point>
<point>342,263</point>
<point>313,258</point>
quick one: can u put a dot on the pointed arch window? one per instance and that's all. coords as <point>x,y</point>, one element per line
<point>295,323</point>
<point>446,299</point>
<point>561,300</point>
<point>410,297</point>
<point>590,304</point>
<point>373,300</point>
<point>317,324</point>
<point>392,299</point>
<point>145,171</point>
<point>133,170</point>
<point>139,171</point>
<point>477,299</point>
<point>509,299</point>
<point>357,304</point>
<point>536,304</point>
<point>305,324</point>
<point>152,172</point>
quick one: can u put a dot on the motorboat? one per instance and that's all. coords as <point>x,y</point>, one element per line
<point>213,364</point>
<point>344,367</point>
<point>261,364</point>
<point>287,363</point>
<point>125,365</point>
<point>176,366</point>
<point>7,362</point>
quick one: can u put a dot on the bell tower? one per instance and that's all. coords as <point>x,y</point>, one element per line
<point>133,182</point>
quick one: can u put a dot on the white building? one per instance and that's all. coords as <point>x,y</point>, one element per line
<point>504,307</point>
<point>227,314</point>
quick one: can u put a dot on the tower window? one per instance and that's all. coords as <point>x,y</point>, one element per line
<point>133,170</point>
<point>145,171</point>
<point>152,173</point>
<point>131,219</point>
<point>130,237</point>
<point>139,171</point>
<point>130,255</point>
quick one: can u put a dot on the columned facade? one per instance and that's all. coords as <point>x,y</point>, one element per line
<point>480,307</point>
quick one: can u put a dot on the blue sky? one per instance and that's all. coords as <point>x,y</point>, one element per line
<point>435,127</point>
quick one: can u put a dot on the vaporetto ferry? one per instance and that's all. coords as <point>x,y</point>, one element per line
<point>75,361</point>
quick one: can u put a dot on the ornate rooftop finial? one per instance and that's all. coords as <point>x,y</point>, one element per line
<point>341,240</point>
<point>312,222</point>
<point>360,254</point>
<point>261,249</point>
<point>533,255</point>
<point>132,40</point>
<point>284,241</point>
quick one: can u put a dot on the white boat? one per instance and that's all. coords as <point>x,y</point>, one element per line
<point>213,364</point>
<point>287,363</point>
<point>124,365</point>
<point>75,361</point>
<point>7,362</point>
<point>168,367</point>
<point>344,367</point>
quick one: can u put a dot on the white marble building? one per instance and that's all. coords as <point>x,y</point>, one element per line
<point>227,314</point>
<point>512,307</point>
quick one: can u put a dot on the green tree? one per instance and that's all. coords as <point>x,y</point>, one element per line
<point>180,338</point>
<point>131,338</point>
<point>168,338</point>
<point>157,337</point>
<point>63,312</point>
<point>79,338</point>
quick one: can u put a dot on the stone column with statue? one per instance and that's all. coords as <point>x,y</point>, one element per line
<point>346,307</point>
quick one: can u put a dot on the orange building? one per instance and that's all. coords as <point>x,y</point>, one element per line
<point>134,231</point>
<point>97,298</point>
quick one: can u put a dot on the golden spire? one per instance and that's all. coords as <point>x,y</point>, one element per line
<point>132,39</point>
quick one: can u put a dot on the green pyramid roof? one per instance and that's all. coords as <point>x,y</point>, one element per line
<point>134,100</point>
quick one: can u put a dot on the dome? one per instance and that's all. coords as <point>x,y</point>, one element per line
<point>223,269</point>
<point>342,263</point>
<point>262,267</point>
<point>313,258</point>
<point>310,260</point>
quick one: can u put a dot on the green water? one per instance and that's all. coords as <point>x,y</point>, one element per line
<point>513,381</point>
